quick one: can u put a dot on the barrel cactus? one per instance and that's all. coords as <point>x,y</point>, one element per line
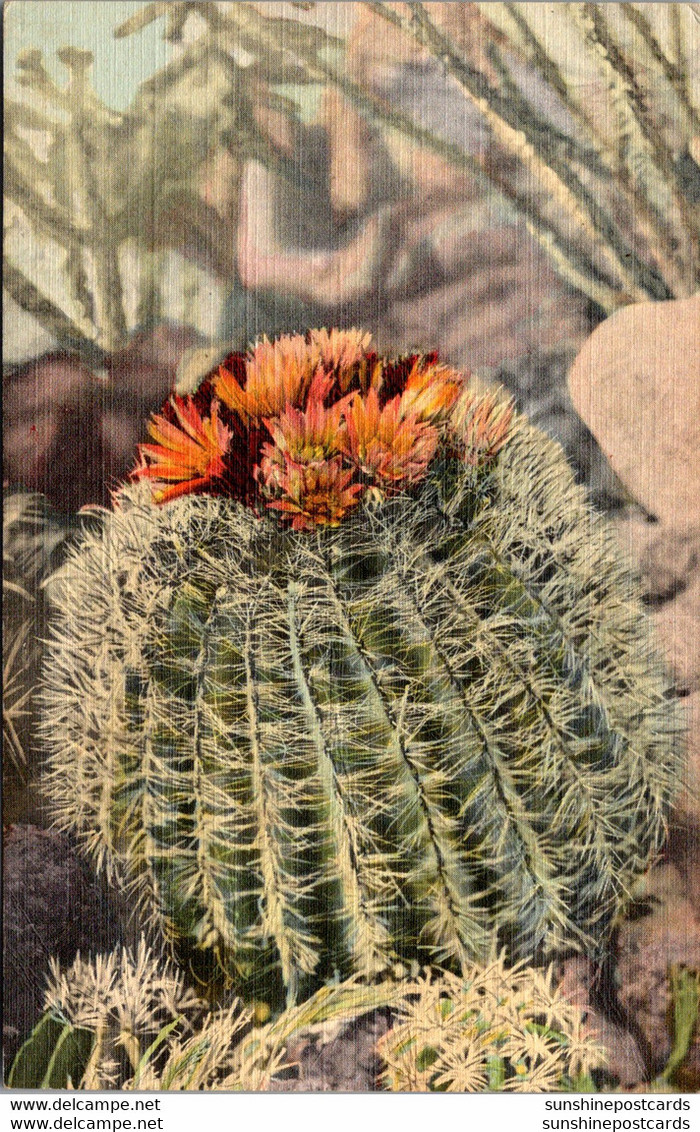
<point>352,675</point>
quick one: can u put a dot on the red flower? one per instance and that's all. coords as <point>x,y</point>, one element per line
<point>431,391</point>
<point>304,460</point>
<point>189,453</point>
<point>307,424</point>
<point>277,374</point>
<point>314,433</point>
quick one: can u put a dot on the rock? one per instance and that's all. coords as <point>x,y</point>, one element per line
<point>343,1060</point>
<point>684,825</point>
<point>678,625</point>
<point>52,906</point>
<point>483,309</point>
<point>683,848</point>
<point>668,560</point>
<point>71,430</point>
<point>537,383</point>
<point>647,947</point>
<point>625,1064</point>
<point>635,383</point>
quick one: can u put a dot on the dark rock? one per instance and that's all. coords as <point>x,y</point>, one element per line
<point>537,381</point>
<point>344,1063</point>
<point>647,948</point>
<point>52,906</point>
<point>581,985</point>
<point>71,429</point>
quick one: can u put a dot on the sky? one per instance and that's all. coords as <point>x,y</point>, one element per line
<point>120,64</point>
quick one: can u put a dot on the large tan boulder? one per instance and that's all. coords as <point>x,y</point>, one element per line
<point>636,383</point>
<point>668,561</point>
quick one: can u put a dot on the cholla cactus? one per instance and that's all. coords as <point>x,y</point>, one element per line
<point>100,194</point>
<point>591,113</point>
<point>488,1030</point>
<point>637,145</point>
<point>352,674</point>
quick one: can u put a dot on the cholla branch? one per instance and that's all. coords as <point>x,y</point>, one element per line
<point>577,266</point>
<point>512,126</point>
<point>676,73</point>
<point>650,219</point>
<point>511,117</point>
<point>641,136</point>
<point>47,314</point>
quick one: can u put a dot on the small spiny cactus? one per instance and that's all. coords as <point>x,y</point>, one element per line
<point>489,1030</point>
<point>126,1020</point>
<point>353,675</point>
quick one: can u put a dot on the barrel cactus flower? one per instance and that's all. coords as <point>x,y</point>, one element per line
<point>386,446</point>
<point>188,453</point>
<point>340,421</point>
<point>480,426</point>
<point>352,675</point>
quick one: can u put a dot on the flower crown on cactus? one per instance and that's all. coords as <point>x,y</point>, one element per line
<point>309,424</point>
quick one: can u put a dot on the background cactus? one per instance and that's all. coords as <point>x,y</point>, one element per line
<point>607,184</point>
<point>610,192</point>
<point>127,1020</point>
<point>431,730</point>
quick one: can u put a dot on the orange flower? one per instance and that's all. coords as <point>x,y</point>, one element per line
<point>480,426</point>
<point>391,447</point>
<point>431,391</point>
<point>318,494</point>
<point>314,434</point>
<point>302,438</point>
<point>277,374</point>
<point>339,350</point>
<point>189,453</point>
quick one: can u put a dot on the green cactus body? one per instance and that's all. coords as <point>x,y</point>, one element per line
<point>435,730</point>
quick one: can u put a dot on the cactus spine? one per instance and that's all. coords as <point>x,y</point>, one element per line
<point>126,1020</point>
<point>434,730</point>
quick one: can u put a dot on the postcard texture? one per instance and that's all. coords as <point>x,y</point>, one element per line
<point>351,592</point>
